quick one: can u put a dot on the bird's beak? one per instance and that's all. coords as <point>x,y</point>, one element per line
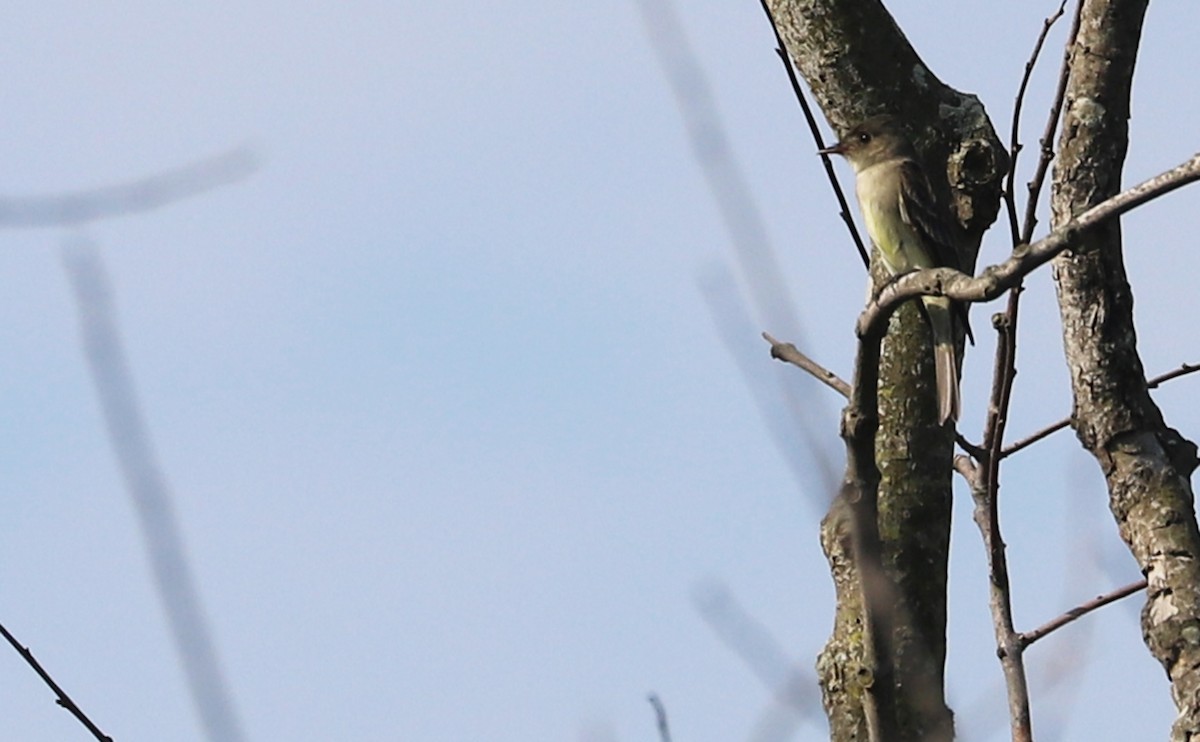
<point>836,149</point>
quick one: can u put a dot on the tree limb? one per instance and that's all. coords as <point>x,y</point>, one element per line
<point>995,280</point>
<point>1146,464</point>
<point>1079,611</point>
<point>789,353</point>
<point>63,699</point>
<point>144,194</point>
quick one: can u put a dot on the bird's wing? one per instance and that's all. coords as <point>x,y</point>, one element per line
<point>920,211</point>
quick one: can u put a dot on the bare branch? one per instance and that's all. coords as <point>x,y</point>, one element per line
<point>1014,147</point>
<point>966,466</point>
<point>792,686</point>
<point>1029,637</point>
<point>138,196</point>
<point>843,206</point>
<point>1047,140</point>
<point>660,717</point>
<point>150,494</point>
<point>986,494</point>
<point>1183,370</point>
<point>1035,437</point>
<point>972,449</point>
<point>1115,419</point>
<point>63,699</point>
<point>1154,383</point>
<point>722,171</point>
<point>996,279</point>
<point>789,353</point>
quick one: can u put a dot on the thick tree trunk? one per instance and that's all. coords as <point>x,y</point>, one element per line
<point>858,63</point>
<point>1147,464</point>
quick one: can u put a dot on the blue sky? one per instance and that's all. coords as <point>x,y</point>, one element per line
<point>450,428</point>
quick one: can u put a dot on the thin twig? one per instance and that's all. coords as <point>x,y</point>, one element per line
<point>1047,140</point>
<point>827,161</point>
<point>1157,381</point>
<point>986,494</point>
<point>147,487</point>
<point>1014,141</point>
<point>145,194</point>
<point>972,449</point>
<point>660,717</point>
<point>789,353</point>
<point>1029,637</point>
<point>792,685</point>
<point>740,213</point>
<point>1035,437</point>
<point>63,699</point>
<point>1183,370</point>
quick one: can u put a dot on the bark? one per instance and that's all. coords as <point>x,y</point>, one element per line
<point>1147,464</point>
<point>858,63</point>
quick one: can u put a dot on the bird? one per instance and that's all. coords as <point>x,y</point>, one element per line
<point>911,230</point>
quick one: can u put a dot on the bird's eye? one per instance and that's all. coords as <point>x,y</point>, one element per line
<point>863,137</point>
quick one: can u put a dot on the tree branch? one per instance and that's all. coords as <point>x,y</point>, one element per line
<point>986,496</point>
<point>63,699</point>
<point>1147,465</point>
<point>789,353</point>
<point>1014,146</point>
<point>1029,637</point>
<point>1047,141</point>
<point>995,280</point>
<point>151,496</point>
<point>660,717</point>
<point>826,160</point>
<point>1036,436</point>
<point>134,197</point>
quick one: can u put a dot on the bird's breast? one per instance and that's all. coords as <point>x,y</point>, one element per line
<point>878,192</point>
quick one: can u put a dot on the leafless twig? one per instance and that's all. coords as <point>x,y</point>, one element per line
<point>145,194</point>
<point>722,171</point>
<point>791,685</point>
<point>1014,139</point>
<point>1047,141</point>
<point>63,699</point>
<point>660,717</point>
<point>1035,437</point>
<point>827,161</point>
<point>789,353</point>
<point>148,489</point>
<point>1029,637</point>
<point>986,495</point>
<point>1183,370</point>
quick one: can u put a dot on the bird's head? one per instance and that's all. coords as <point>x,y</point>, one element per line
<point>875,140</point>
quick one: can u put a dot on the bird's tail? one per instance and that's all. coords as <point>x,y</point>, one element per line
<point>947,383</point>
<point>945,360</point>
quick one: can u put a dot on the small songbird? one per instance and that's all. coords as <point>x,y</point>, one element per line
<point>910,229</point>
